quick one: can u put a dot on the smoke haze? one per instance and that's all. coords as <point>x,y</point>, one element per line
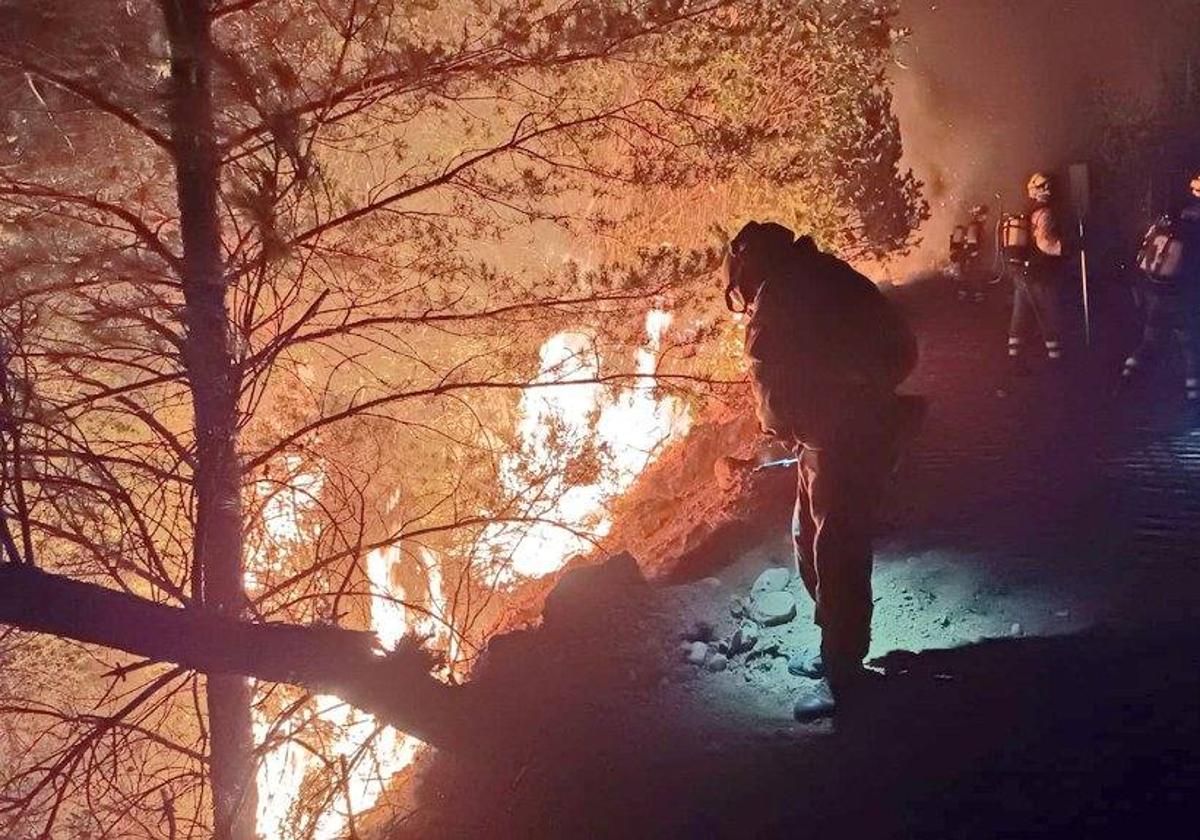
<point>988,91</point>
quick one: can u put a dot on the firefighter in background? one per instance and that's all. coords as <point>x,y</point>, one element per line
<point>826,351</point>
<point>1033,248</point>
<point>1169,261</point>
<point>966,255</point>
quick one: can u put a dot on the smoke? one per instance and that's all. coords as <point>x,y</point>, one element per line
<point>989,91</point>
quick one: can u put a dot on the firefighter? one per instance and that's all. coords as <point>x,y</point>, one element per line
<point>1169,261</point>
<point>966,255</point>
<point>1034,249</point>
<point>826,351</point>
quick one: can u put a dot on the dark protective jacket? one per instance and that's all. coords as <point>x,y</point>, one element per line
<point>1188,221</point>
<point>826,348</point>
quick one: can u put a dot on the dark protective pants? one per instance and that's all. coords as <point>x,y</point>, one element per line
<point>1035,304</point>
<point>1168,314</point>
<point>972,276</point>
<point>839,488</point>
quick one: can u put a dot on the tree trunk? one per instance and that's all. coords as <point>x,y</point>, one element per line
<point>397,688</point>
<point>213,376</point>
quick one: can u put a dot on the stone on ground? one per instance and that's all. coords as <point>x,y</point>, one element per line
<point>718,662</point>
<point>697,653</point>
<point>773,609</point>
<point>744,638</point>
<point>771,580</point>
<point>738,606</point>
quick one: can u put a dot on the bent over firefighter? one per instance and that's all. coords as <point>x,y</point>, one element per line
<point>826,352</point>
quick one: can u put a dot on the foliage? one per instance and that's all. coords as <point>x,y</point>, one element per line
<point>413,198</point>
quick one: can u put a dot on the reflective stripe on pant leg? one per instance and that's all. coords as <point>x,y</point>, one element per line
<point>1053,349</point>
<point>1192,387</point>
<point>1014,346</point>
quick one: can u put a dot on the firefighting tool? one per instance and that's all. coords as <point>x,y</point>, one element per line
<point>781,464</point>
<point>1080,200</point>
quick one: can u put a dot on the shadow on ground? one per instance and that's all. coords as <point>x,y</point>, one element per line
<point>1095,734</point>
<point>591,726</point>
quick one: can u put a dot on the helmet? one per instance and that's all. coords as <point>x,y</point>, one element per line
<point>1039,187</point>
<point>1195,184</point>
<point>751,254</point>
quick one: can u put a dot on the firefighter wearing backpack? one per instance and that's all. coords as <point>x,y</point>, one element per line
<point>826,351</point>
<point>966,255</point>
<point>1033,248</point>
<point>1169,261</point>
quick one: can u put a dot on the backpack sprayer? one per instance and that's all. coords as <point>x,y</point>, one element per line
<point>1161,256</point>
<point>1014,238</point>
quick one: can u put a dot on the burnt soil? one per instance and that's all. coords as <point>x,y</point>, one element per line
<point>1036,584</point>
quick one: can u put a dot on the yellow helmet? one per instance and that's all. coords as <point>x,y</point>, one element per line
<point>1195,185</point>
<point>1040,186</point>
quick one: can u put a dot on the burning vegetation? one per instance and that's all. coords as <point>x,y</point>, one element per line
<point>319,319</point>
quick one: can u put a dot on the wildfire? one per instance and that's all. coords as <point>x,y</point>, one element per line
<point>560,425</point>
<point>578,420</point>
<point>367,754</point>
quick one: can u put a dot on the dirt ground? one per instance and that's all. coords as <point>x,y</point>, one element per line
<point>1036,588</point>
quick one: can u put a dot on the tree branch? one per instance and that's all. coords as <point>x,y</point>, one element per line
<point>396,688</point>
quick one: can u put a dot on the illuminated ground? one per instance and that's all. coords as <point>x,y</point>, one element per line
<point>1037,587</point>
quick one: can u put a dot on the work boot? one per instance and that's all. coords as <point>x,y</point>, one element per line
<point>1018,369</point>
<point>815,702</point>
<point>806,663</point>
<point>841,688</point>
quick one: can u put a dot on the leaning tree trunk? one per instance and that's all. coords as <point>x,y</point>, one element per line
<point>398,688</point>
<point>214,381</point>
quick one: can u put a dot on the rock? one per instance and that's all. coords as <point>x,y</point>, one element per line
<point>586,592</point>
<point>718,662</point>
<point>701,631</point>
<point>744,638</point>
<point>738,607</point>
<point>771,580</point>
<point>697,653</point>
<point>1015,630</point>
<point>766,651</point>
<point>711,582</point>
<point>773,609</point>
